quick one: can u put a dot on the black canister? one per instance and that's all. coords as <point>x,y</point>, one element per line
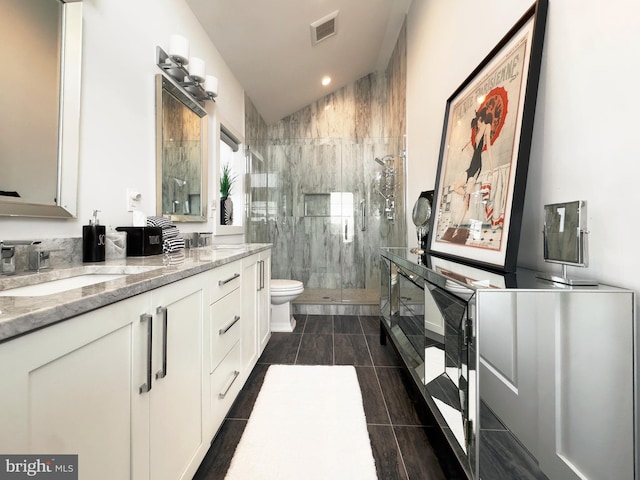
<point>93,240</point>
<point>143,241</point>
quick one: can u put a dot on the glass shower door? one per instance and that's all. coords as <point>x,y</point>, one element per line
<point>258,208</point>
<point>355,242</point>
<point>326,219</point>
<point>368,224</point>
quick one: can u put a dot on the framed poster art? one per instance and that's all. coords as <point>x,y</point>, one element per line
<point>484,152</point>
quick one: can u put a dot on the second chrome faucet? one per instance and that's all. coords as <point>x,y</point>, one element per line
<point>38,259</point>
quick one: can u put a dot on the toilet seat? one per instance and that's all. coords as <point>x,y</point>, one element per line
<point>281,286</point>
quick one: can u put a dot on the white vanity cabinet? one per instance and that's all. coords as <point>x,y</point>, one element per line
<point>121,386</point>
<point>225,330</point>
<point>68,389</point>
<point>264,300</point>
<point>240,328</point>
<point>256,326</point>
<point>137,389</point>
<point>168,381</point>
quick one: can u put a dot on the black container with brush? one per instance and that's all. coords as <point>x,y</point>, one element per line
<point>93,240</point>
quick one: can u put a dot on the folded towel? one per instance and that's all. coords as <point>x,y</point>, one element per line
<point>171,245</point>
<point>159,222</point>
<point>170,232</point>
<point>175,258</point>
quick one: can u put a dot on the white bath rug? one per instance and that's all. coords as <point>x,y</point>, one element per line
<point>307,423</point>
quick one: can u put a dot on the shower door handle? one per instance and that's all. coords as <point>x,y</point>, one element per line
<point>363,211</point>
<point>346,229</point>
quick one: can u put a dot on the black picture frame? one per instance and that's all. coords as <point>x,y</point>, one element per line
<point>484,151</point>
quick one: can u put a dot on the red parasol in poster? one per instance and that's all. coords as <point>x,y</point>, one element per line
<point>496,102</point>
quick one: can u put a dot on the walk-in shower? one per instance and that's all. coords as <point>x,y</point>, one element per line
<point>327,207</point>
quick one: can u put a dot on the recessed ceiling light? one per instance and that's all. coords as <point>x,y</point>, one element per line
<point>326,80</point>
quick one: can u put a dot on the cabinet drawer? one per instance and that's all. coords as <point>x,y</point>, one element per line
<point>225,385</point>
<point>225,280</point>
<point>224,316</point>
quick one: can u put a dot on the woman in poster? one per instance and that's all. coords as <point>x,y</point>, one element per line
<point>480,140</point>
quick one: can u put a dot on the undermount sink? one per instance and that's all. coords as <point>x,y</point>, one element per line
<point>51,282</point>
<point>58,286</point>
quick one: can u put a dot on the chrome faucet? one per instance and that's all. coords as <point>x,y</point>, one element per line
<point>38,259</point>
<point>8,254</point>
<point>7,259</point>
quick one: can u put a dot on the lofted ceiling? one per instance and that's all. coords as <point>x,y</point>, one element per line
<point>267,44</point>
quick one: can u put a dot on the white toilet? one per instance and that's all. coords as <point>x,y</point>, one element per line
<point>283,292</point>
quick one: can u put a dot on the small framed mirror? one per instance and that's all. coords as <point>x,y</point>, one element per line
<point>565,239</point>
<point>564,233</point>
<point>181,154</point>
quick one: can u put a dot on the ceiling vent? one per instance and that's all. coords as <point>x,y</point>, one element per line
<point>324,28</point>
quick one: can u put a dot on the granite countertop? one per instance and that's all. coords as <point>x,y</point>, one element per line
<point>23,314</point>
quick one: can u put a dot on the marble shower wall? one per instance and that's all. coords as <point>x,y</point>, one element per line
<point>330,146</point>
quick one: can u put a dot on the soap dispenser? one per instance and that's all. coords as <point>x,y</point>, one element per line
<point>93,240</point>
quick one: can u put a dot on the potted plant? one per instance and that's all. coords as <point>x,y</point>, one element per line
<point>226,205</point>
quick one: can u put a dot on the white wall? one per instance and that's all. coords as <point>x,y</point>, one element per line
<point>585,139</point>
<point>117,138</point>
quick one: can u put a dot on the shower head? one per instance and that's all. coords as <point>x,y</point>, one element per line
<point>382,161</point>
<point>180,182</point>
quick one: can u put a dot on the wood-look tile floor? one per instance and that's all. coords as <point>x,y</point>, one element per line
<point>405,440</point>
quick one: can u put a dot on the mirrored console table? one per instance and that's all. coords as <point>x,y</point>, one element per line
<point>527,379</point>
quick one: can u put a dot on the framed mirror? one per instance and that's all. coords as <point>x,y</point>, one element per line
<point>181,154</point>
<point>43,38</point>
<point>565,225</point>
<point>564,239</point>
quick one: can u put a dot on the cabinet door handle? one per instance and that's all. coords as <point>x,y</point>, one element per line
<point>165,318</point>
<point>145,317</point>
<point>224,282</point>
<point>226,390</point>
<point>224,330</point>
<point>261,275</point>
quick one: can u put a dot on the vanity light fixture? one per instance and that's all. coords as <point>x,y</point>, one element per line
<point>211,86</point>
<point>196,69</point>
<point>193,80</point>
<point>179,49</point>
